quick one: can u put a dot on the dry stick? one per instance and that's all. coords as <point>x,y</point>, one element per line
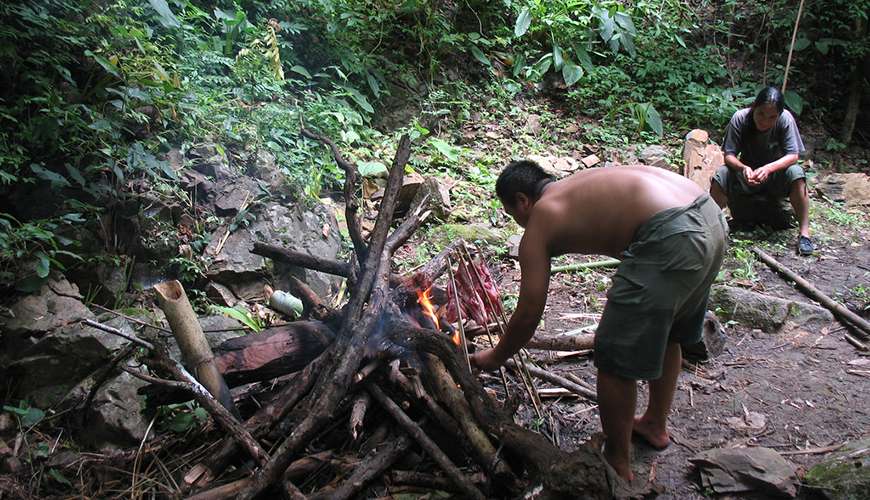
<point>814,451</point>
<point>370,467</point>
<point>563,342</point>
<point>855,342</point>
<point>468,489</point>
<point>358,414</point>
<point>444,419</point>
<point>502,325</point>
<point>835,307</point>
<point>585,265</point>
<point>462,339</point>
<point>424,480</point>
<point>558,380</point>
<point>797,21</point>
<point>119,333</point>
<point>205,399</point>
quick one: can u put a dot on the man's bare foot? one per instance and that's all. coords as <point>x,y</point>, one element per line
<point>620,465</point>
<point>654,436</point>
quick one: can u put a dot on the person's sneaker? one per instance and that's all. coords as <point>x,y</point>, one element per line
<point>805,245</point>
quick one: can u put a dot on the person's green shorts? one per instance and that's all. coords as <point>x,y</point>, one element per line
<point>778,184</point>
<point>660,289</point>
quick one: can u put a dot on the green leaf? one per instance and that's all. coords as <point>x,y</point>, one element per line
<point>299,70</point>
<point>373,84</point>
<point>558,61</point>
<point>606,25</point>
<point>654,120</point>
<point>801,43</point>
<point>571,73</point>
<point>359,99</point>
<point>181,422</point>
<point>823,46</point>
<point>243,317</point>
<point>583,57</point>
<point>680,40</point>
<point>794,101</point>
<point>624,21</point>
<point>57,476</point>
<point>480,56</point>
<point>523,23</point>
<point>371,168</point>
<point>102,61</point>
<point>29,416</point>
<point>450,152</point>
<point>43,173</point>
<point>167,18</point>
<point>43,264</point>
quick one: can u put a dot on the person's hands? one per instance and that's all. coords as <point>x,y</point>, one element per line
<point>761,175</point>
<point>750,176</point>
<point>486,360</point>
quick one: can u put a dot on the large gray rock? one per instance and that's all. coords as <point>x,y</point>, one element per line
<point>446,233</point>
<point>313,230</point>
<point>656,156</point>
<point>765,312</point>
<point>55,305</point>
<point>740,470</point>
<point>208,160</point>
<point>844,475</point>
<point>115,418</point>
<point>46,371</point>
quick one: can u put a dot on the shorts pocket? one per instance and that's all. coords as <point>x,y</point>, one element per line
<point>626,291</point>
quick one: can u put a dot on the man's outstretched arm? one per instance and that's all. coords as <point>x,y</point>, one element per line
<point>535,269</point>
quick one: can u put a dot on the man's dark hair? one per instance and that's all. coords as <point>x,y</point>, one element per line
<point>523,176</point>
<point>769,95</point>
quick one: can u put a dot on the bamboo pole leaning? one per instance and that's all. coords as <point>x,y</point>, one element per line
<point>814,293</point>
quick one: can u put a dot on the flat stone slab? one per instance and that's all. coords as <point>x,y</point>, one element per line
<point>766,312</point>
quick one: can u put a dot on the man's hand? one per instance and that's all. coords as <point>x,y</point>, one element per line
<point>761,175</point>
<point>750,176</point>
<point>486,360</point>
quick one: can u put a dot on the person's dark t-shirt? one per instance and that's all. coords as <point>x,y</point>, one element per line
<point>756,149</point>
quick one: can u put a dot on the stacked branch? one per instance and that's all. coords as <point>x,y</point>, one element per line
<point>375,360</point>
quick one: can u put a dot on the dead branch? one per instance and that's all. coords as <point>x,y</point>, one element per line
<point>358,414</point>
<point>557,380</point>
<point>370,467</point>
<point>421,479</point>
<point>562,342</point>
<point>432,449</point>
<point>351,183</point>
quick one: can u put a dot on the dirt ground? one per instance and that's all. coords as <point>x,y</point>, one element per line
<point>796,380</point>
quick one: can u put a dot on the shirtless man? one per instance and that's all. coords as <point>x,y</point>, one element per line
<point>670,236</point>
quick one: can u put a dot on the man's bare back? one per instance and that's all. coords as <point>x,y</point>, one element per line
<point>598,211</point>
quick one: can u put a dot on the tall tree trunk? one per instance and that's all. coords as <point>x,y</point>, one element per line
<point>856,86</point>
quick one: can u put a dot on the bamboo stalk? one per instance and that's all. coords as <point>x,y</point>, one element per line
<point>585,265</point>
<point>797,21</point>
<point>191,340</point>
<point>560,381</point>
<point>814,293</point>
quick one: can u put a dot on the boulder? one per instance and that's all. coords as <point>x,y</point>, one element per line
<point>45,372</point>
<point>851,189</point>
<point>740,470</point>
<point>765,312</point>
<point>313,230</point>
<point>114,418</point>
<point>655,155</point>
<point>208,160</point>
<point>57,304</point>
<point>233,195</point>
<point>265,168</point>
<point>712,343</point>
<point>845,474</point>
<point>701,158</point>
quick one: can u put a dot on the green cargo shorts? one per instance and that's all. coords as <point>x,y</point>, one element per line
<point>660,289</point>
<point>778,184</point>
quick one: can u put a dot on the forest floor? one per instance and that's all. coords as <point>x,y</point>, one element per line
<point>797,379</point>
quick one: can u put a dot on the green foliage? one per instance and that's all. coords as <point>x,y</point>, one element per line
<point>28,416</point>
<point>181,417</point>
<point>243,316</point>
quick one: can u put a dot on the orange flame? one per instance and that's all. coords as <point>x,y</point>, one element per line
<point>425,300</point>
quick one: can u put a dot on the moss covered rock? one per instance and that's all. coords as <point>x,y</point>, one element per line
<point>845,475</point>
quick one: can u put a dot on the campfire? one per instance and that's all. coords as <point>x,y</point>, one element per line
<point>383,393</point>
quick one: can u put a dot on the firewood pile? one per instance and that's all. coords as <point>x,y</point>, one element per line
<point>380,393</point>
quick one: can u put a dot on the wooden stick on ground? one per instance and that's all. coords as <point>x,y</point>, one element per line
<point>558,380</point>
<point>835,307</point>
<point>432,449</point>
